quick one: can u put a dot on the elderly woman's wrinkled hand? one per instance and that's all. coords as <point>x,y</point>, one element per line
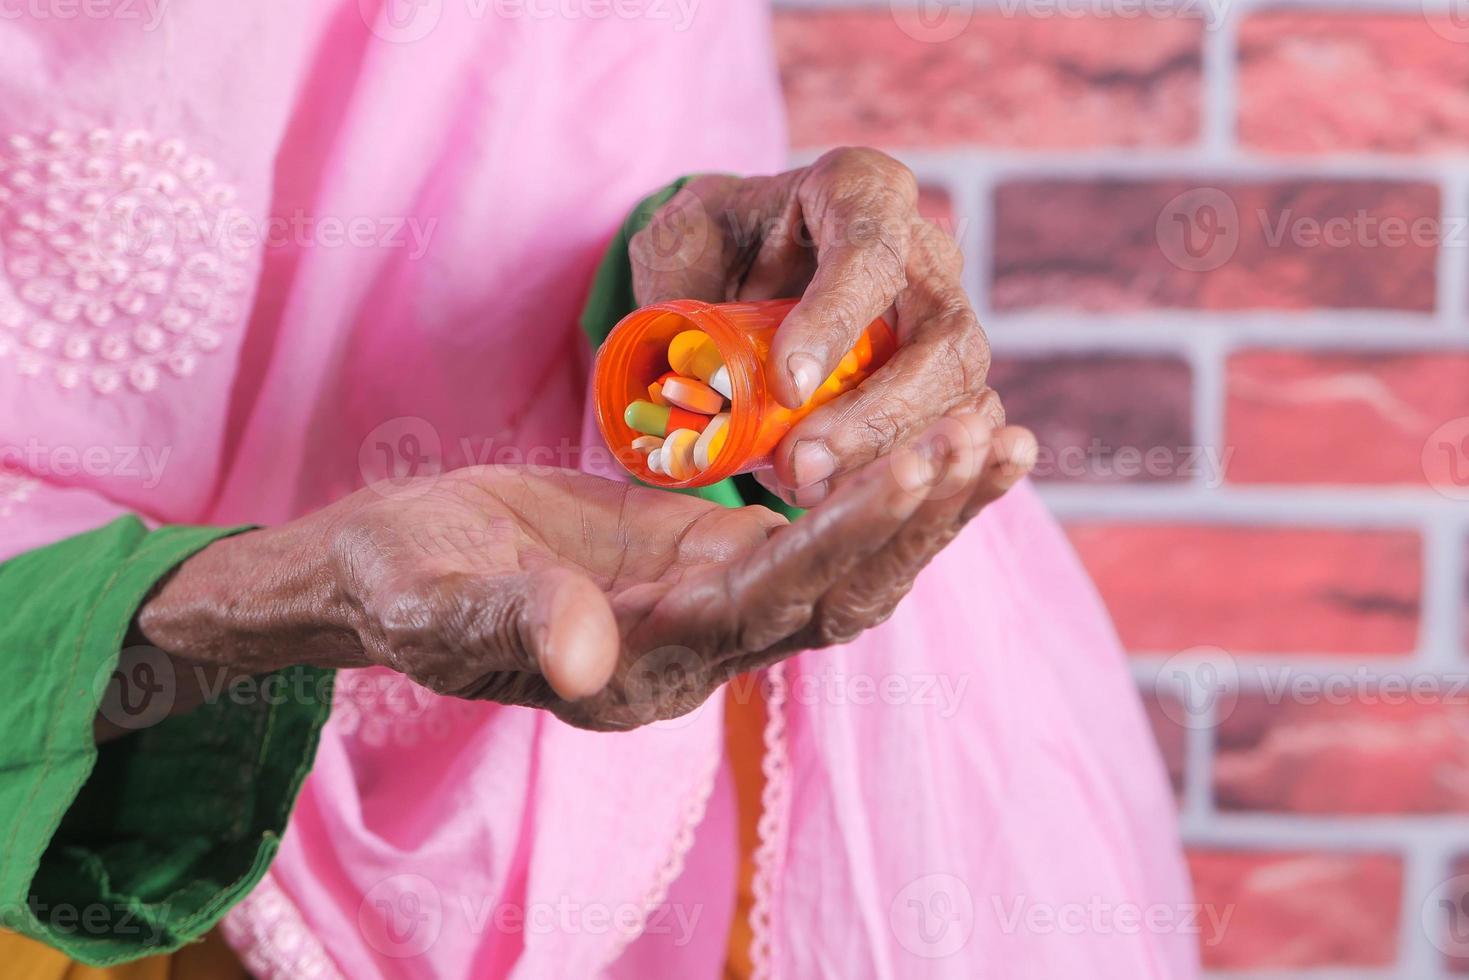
<point>845,235</point>
<point>610,605</point>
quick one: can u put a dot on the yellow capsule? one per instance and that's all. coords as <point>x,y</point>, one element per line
<point>693,355</point>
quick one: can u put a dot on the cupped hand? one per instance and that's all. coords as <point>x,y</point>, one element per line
<point>608,604</point>
<point>845,235</point>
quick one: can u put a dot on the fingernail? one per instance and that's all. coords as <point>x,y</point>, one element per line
<point>812,462</point>
<point>1025,455</point>
<point>808,497</point>
<point>806,373</point>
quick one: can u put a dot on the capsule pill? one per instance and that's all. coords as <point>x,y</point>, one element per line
<point>693,355</point>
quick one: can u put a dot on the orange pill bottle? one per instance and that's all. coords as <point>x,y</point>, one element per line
<point>635,353</point>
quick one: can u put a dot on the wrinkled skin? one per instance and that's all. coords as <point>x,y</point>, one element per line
<point>614,606</point>
<point>846,236</point>
<point>610,605</point>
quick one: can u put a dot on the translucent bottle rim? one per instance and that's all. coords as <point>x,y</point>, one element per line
<point>625,353</point>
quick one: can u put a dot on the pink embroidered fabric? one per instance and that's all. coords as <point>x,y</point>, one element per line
<point>256,254</point>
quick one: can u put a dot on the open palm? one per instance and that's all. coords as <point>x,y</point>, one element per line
<point>614,605</point>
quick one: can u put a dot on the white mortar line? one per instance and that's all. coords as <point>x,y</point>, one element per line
<point>976,199</point>
<point>1219,77</point>
<point>1209,368</point>
<point>1270,674</point>
<point>1175,329</point>
<point>1100,9</point>
<point>1198,769</point>
<point>1425,865</point>
<point>1264,506</point>
<point>1344,834</point>
<point>1174,163</point>
<point>1453,259</point>
<point>1318,973</point>
<point>1443,590</point>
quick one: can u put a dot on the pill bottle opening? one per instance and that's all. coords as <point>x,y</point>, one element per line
<point>635,355</point>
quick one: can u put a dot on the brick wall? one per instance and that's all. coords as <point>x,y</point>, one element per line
<point>1221,252</point>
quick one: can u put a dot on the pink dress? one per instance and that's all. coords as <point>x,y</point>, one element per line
<point>256,252</point>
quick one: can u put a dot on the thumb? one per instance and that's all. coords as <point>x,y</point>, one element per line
<point>567,628</point>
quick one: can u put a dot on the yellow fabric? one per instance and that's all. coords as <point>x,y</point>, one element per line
<point>744,739</point>
<point>208,959</point>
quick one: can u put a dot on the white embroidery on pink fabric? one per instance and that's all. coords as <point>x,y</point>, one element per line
<point>272,938</point>
<point>124,259</point>
<point>771,828</point>
<point>15,489</point>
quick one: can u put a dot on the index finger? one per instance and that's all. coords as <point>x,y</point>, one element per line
<point>858,206</point>
<point>773,591</point>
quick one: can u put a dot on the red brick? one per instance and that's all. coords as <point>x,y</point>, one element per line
<point>1171,587</point>
<point>1347,747</point>
<point>1297,417</point>
<point>1298,910</point>
<point>1324,81</point>
<point>1118,245</point>
<point>856,76</point>
<point>1102,418</point>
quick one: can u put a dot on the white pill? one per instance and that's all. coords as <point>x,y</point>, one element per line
<point>719,381</point>
<point>655,462</point>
